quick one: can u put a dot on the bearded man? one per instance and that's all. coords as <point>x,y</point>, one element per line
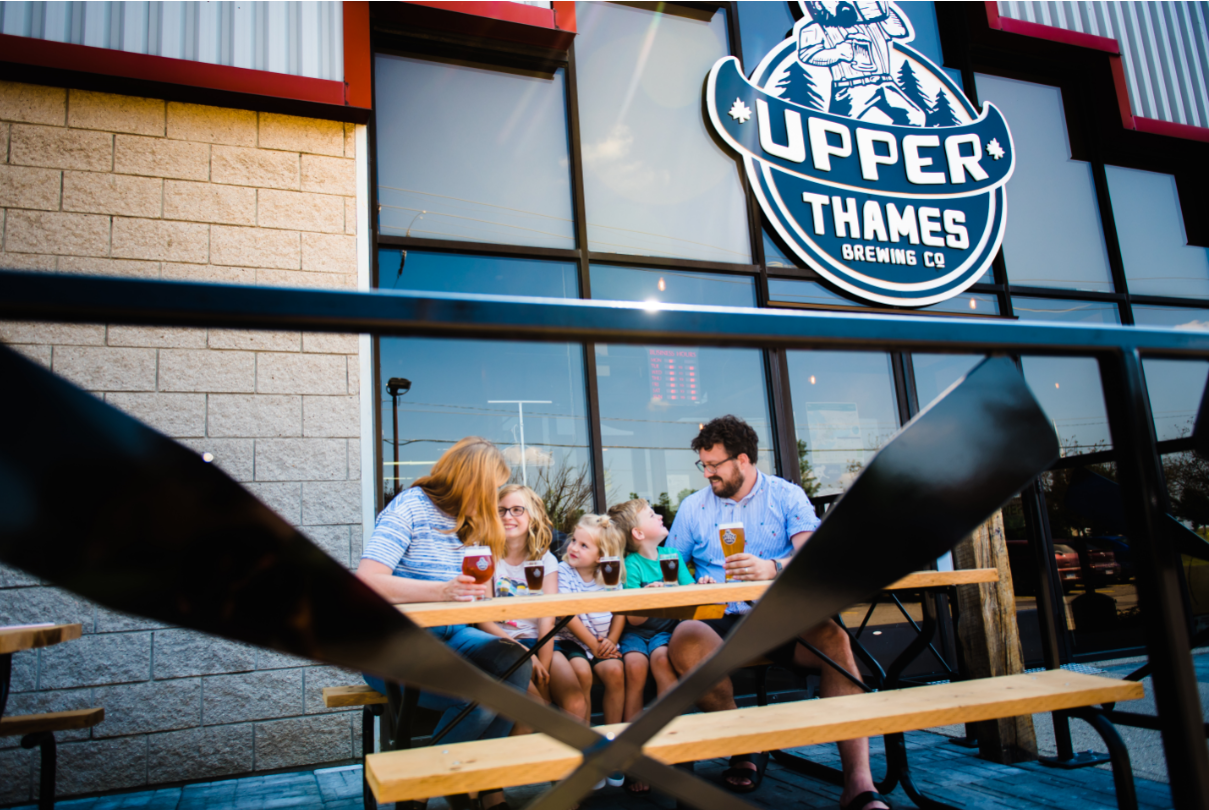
<point>777,519</point>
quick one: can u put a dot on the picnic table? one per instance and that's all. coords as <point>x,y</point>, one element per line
<point>38,730</point>
<point>678,602</point>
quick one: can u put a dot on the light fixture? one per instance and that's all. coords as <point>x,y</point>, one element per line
<point>662,284</point>
<point>397,386</point>
<point>973,304</point>
<point>812,379</point>
<point>207,457</point>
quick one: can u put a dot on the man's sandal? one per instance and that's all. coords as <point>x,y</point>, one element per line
<point>859,801</point>
<point>753,777</point>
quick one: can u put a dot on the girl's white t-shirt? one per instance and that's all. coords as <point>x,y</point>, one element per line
<point>510,581</point>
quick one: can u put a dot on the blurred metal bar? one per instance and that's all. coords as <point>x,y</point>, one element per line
<point>87,299</point>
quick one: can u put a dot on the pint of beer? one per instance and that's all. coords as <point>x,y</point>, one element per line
<point>669,565</point>
<point>478,564</point>
<point>610,571</point>
<point>732,539</point>
<point>535,575</point>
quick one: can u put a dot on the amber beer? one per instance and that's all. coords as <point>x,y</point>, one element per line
<point>535,575</point>
<point>479,565</point>
<point>669,564</point>
<point>610,571</point>
<point>733,542</point>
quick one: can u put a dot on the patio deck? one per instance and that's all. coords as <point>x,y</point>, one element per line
<point>944,771</point>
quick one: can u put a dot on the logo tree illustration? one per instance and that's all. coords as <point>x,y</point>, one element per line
<point>941,114</point>
<point>799,87</point>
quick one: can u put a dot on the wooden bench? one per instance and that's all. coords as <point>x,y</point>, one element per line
<point>38,731</point>
<point>484,764</point>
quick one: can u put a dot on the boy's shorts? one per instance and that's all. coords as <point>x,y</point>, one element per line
<point>632,642</point>
<point>572,650</point>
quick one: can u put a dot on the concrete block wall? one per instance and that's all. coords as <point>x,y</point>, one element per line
<point>104,184</point>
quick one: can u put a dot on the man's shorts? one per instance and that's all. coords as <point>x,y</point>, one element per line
<point>782,655</point>
<point>634,643</point>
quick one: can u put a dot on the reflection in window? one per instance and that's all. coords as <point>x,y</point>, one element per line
<point>643,284</point>
<point>472,153</point>
<point>655,182</point>
<point>844,410</point>
<point>529,398</point>
<point>1069,388</point>
<point>812,292</point>
<point>1150,226</point>
<point>1054,237</point>
<point>934,373</point>
<point>1175,388</point>
<point>654,399</point>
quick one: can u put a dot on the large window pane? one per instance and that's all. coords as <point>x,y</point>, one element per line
<point>527,397</point>
<point>1150,226</point>
<point>471,152</point>
<point>655,181</point>
<point>844,410</point>
<point>654,399</point>
<point>1068,388</point>
<point>1054,236</point>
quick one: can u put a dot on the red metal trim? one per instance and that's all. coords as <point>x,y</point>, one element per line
<point>1171,129</point>
<point>503,11</point>
<point>1055,34</point>
<point>992,14</point>
<point>358,55</point>
<point>1122,88</point>
<point>553,29</point>
<point>144,67</point>
<point>564,15</point>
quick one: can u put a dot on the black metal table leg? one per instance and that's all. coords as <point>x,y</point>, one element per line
<point>46,783</point>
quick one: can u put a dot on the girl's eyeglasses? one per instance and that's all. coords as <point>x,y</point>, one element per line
<point>515,511</point>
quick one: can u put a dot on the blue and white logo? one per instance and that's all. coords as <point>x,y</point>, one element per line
<point>867,159</point>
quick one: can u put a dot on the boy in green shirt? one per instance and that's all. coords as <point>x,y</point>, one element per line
<point>644,641</point>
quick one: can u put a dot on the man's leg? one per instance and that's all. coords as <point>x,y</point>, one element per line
<point>692,643</point>
<point>830,639</point>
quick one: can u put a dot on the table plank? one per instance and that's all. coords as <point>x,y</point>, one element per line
<point>677,602</point>
<point>27,637</point>
<point>54,721</point>
<point>439,770</point>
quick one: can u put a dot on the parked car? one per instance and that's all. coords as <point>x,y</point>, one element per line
<point>1103,564</point>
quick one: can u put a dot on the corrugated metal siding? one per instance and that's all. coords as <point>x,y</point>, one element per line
<point>300,38</point>
<point>1164,48</point>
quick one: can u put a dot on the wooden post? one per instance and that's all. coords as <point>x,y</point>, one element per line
<point>990,638</point>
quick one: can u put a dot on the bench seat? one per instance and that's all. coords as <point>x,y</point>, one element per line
<point>339,697</point>
<point>458,768</point>
<point>53,721</point>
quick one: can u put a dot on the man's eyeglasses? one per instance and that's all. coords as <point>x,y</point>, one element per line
<point>515,511</point>
<point>710,469</point>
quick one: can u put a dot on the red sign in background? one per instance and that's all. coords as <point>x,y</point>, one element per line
<point>673,375</point>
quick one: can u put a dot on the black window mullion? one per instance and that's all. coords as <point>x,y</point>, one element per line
<point>1109,225</point>
<point>579,205</point>
<point>375,349</point>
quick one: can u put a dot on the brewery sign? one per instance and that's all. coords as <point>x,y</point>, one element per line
<point>866,157</point>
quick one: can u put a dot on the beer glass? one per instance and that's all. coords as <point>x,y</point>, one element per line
<point>610,572</point>
<point>669,564</point>
<point>479,565</point>
<point>535,574</point>
<point>731,536</point>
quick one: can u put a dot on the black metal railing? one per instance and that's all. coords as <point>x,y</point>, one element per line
<point>1119,352</point>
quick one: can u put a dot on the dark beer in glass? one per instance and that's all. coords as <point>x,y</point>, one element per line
<point>610,571</point>
<point>479,565</point>
<point>669,563</point>
<point>535,574</point>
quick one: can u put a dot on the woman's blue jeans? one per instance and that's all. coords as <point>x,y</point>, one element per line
<point>493,655</point>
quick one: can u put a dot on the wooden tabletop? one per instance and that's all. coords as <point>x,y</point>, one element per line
<point>674,602</point>
<point>16,638</point>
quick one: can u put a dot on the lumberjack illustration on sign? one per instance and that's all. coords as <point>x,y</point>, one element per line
<point>868,160</point>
